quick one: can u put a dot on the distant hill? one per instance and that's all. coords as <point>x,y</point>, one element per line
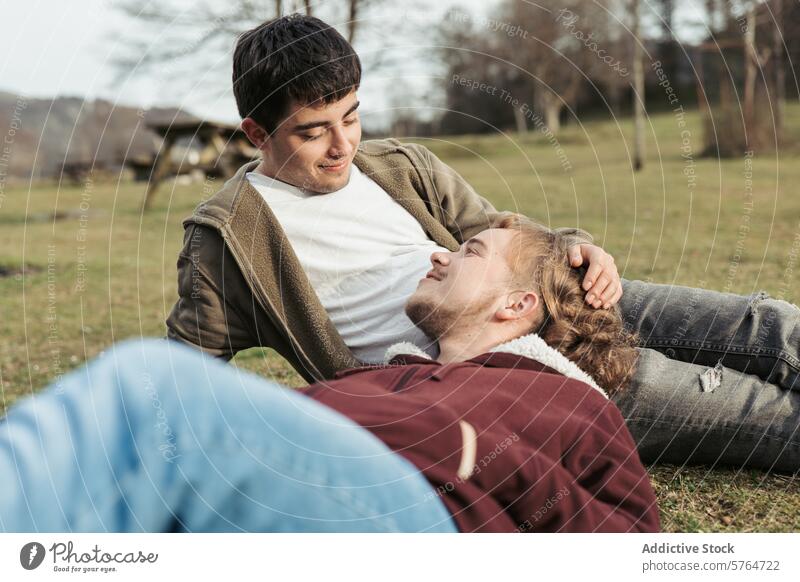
<point>46,133</point>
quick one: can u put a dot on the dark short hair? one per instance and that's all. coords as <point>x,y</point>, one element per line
<point>291,59</point>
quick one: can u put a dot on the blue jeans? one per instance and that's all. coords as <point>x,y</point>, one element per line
<point>153,436</point>
<point>717,379</point>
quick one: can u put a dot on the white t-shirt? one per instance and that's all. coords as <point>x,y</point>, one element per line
<point>364,255</point>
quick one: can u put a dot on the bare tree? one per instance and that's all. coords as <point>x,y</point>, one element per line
<point>209,27</point>
<point>752,62</point>
<point>353,15</point>
<point>763,60</point>
<point>668,47</point>
<point>780,71</point>
<point>638,85</point>
<point>469,51</point>
<point>543,56</point>
<point>746,36</point>
<point>552,49</point>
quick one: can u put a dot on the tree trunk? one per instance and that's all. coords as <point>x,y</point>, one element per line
<point>730,132</point>
<point>780,73</point>
<point>709,138</point>
<point>519,118</point>
<point>638,91</point>
<point>702,98</point>
<point>552,112</point>
<point>613,92</point>
<point>351,23</point>
<point>750,64</point>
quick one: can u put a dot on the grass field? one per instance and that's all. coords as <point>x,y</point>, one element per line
<point>81,268</point>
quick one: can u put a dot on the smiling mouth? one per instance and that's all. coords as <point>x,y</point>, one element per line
<point>334,167</point>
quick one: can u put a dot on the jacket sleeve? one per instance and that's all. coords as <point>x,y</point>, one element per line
<point>465,212</point>
<point>207,314</point>
<point>599,485</point>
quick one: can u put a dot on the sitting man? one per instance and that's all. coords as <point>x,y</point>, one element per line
<point>314,249</point>
<point>505,432</point>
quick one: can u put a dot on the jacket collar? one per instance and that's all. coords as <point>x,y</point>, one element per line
<point>531,347</point>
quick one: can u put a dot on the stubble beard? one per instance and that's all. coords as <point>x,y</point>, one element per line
<point>438,319</point>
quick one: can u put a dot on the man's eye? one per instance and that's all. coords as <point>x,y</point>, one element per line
<point>311,137</point>
<point>350,121</point>
<point>471,250</point>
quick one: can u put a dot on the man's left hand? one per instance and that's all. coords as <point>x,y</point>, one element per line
<point>601,283</point>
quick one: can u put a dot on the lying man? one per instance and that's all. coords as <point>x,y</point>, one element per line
<point>505,432</point>
<point>314,249</point>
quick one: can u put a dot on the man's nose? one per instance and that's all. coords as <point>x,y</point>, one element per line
<point>440,258</point>
<point>340,145</point>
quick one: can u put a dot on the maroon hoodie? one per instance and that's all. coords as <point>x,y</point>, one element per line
<point>508,443</point>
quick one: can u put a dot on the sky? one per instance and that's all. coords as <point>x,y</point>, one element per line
<point>66,48</point>
<point>58,48</point>
<point>54,48</point>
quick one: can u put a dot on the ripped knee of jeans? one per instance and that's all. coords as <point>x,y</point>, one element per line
<point>755,299</point>
<point>711,378</point>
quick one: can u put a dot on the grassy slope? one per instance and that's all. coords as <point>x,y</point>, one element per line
<point>655,225</point>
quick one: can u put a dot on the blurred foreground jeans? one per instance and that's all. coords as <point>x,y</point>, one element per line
<point>717,379</point>
<point>153,436</point>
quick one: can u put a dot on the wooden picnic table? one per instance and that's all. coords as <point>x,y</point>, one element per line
<point>221,150</point>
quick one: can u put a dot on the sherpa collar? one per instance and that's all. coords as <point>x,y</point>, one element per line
<point>529,346</point>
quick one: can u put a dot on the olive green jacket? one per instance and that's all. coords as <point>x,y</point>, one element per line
<point>240,284</point>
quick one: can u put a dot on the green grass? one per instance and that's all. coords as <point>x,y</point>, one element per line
<point>64,299</point>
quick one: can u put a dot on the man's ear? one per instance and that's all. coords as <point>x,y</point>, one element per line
<point>519,305</point>
<point>257,135</point>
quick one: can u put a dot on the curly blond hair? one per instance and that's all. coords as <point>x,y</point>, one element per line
<point>595,339</point>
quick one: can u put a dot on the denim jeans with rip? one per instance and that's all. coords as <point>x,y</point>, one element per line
<point>717,377</point>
